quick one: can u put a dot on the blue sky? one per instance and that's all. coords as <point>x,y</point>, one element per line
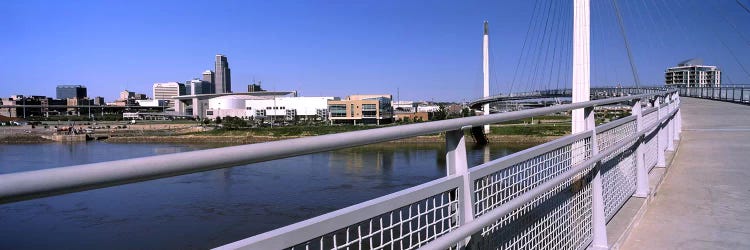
<point>428,50</point>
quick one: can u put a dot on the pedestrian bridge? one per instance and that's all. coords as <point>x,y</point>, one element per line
<point>596,93</point>
<point>704,201</point>
<point>601,188</point>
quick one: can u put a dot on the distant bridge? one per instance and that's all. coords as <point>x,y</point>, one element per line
<point>596,93</point>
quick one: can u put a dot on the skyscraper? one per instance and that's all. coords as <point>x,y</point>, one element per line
<point>222,79</point>
<point>208,76</point>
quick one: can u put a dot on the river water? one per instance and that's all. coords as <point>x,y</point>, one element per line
<point>208,209</point>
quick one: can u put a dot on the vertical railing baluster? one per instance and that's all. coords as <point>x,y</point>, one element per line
<point>678,118</point>
<point>642,189</point>
<point>670,124</point>
<point>660,135</point>
<point>742,94</point>
<point>457,164</point>
<point>598,216</point>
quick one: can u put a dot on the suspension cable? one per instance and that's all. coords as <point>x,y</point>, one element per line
<point>627,45</point>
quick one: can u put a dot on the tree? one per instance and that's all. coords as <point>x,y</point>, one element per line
<point>218,120</point>
<point>232,122</point>
<point>441,113</point>
<point>465,112</point>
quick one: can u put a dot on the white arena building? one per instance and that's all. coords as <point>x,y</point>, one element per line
<point>271,107</point>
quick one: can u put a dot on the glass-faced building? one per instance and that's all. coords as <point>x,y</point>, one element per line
<point>71,91</point>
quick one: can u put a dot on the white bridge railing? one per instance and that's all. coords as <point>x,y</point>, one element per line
<point>739,94</point>
<point>596,93</point>
<point>541,197</point>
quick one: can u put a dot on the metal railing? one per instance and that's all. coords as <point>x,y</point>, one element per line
<point>551,93</point>
<point>738,94</point>
<point>542,197</point>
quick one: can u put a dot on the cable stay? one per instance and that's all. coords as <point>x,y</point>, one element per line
<point>627,45</point>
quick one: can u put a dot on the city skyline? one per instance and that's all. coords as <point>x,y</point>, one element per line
<point>423,51</point>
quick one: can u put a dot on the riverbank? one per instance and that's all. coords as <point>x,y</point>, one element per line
<point>216,139</point>
<point>23,139</point>
<point>185,134</point>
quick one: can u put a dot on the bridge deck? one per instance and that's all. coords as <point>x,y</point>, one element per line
<point>704,202</point>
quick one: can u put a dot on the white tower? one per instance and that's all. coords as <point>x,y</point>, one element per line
<point>581,55</point>
<point>486,70</point>
<point>583,120</point>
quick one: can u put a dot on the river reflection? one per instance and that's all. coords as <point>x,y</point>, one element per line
<point>208,209</point>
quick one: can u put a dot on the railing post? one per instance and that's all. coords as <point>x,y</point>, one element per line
<point>598,217</point>
<point>660,135</point>
<point>640,165</point>
<point>457,164</point>
<point>670,124</point>
<point>742,94</point>
<point>677,118</point>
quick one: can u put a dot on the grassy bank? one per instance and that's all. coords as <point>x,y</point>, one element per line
<point>532,130</point>
<point>517,133</point>
<point>285,131</point>
<point>296,131</point>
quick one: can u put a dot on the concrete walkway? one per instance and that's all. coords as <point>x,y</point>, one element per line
<point>704,202</point>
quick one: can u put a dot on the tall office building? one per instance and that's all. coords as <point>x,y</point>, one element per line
<point>165,91</point>
<point>71,91</point>
<point>208,76</point>
<point>692,73</point>
<point>198,87</point>
<point>222,78</point>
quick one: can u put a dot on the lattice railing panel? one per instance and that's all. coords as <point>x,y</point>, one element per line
<point>612,136</point>
<point>408,227</point>
<point>650,119</point>
<point>559,219</point>
<point>618,178</point>
<point>650,151</point>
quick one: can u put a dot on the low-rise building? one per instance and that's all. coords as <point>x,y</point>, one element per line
<point>414,116</point>
<point>361,109</point>
<point>197,105</point>
<point>404,107</point>
<point>691,73</point>
<point>153,103</point>
<point>268,107</point>
<point>428,108</point>
<point>291,108</point>
<point>71,102</point>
